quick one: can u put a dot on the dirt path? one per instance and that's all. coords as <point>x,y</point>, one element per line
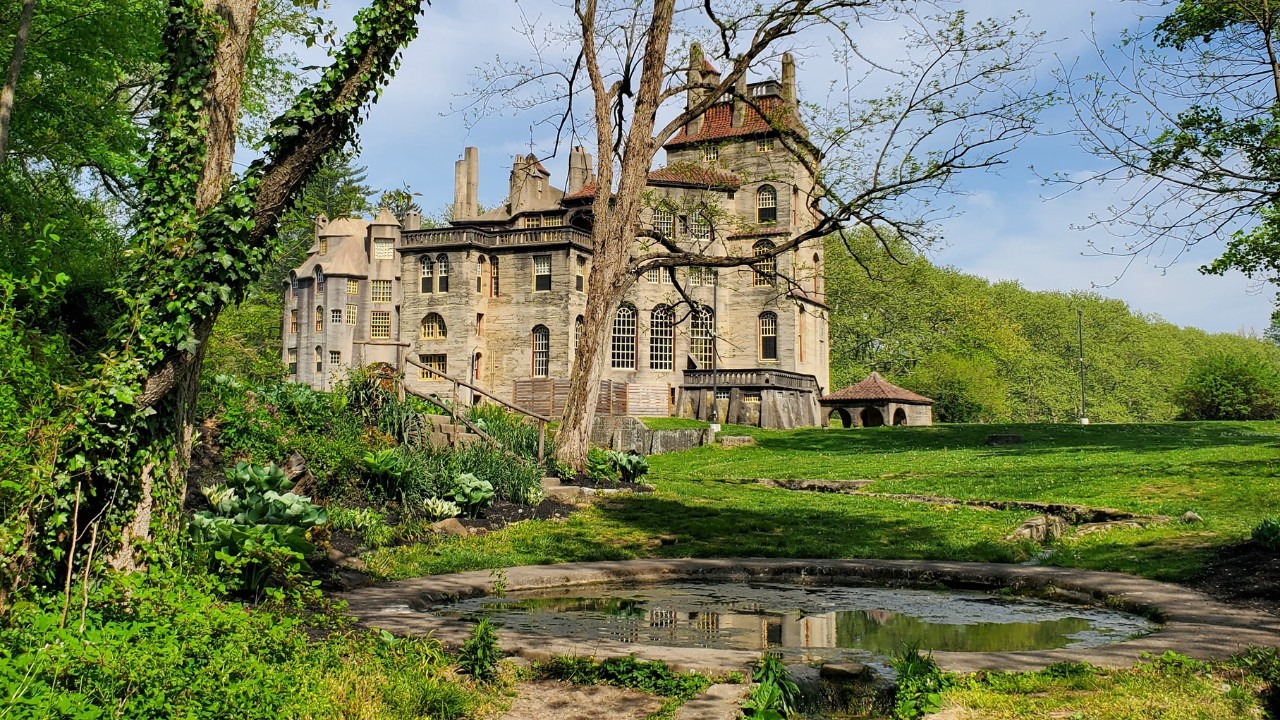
<point>547,699</point>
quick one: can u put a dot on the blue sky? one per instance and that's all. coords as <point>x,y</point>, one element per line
<point>1007,226</point>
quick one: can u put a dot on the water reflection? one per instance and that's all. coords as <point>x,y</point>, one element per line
<point>861,620</point>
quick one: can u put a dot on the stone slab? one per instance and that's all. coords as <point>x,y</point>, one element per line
<point>1194,624</point>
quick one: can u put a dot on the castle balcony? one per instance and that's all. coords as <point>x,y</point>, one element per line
<point>753,379</point>
<point>477,237</point>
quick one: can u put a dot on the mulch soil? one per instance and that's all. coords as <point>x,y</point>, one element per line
<point>504,512</point>
<point>1243,574</point>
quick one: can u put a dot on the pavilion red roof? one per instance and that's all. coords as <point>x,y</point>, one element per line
<point>876,389</point>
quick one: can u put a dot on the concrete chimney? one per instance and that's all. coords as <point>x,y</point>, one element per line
<point>788,79</point>
<point>466,183</point>
<point>472,157</point>
<point>739,105</point>
<point>579,169</point>
<point>412,220</point>
<point>694,95</point>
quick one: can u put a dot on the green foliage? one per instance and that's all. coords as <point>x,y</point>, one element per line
<point>647,676</point>
<point>472,494</point>
<point>963,390</point>
<point>385,469</point>
<point>257,530</point>
<point>1235,386</point>
<point>920,684</point>
<point>1267,534</point>
<point>769,670</point>
<point>245,343</point>
<point>440,509</point>
<point>480,653</point>
<point>764,702</point>
<point>365,522</point>
<point>600,468</point>
<point>631,467</point>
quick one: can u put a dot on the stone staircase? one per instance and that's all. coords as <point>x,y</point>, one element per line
<point>443,432</point>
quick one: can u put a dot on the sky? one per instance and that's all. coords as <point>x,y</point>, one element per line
<point>1006,225</point>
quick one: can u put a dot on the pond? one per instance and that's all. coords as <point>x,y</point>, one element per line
<point>804,622</point>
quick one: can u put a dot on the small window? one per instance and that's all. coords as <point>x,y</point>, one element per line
<point>381,291</point>
<point>319,359</point>
<point>384,248</point>
<point>699,228</point>
<point>541,272</point>
<point>817,274</point>
<point>751,396</point>
<point>351,314</point>
<point>435,361</point>
<point>293,322</point>
<point>353,287</point>
<point>768,336</point>
<point>319,280</point>
<point>533,221</point>
<point>701,276</point>
<point>654,275</point>
<point>766,205</point>
<point>475,367</point>
<point>324,246</point>
<point>764,145</point>
<point>319,319</point>
<point>480,324</point>
<point>480,273</point>
<point>433,327</point>
<point>710,153</point>
<point>577,333</point>
<point>661,337</point>
<point>623,355</point>
<point>493,277</point>
<point>664,222</point>
<point>580,282</point>
<point>702,343</point>
<point>335,358</point>
<point>426,274</point>
<point>380,324</point>
<point>541,340</point>
<point>293,361</point>
<point>335,316</point>
<point>442,273</point>
<point>293,284</point>
<point>767,268</point>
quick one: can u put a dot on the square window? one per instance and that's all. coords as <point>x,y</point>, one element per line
<point>335,317</point>
<point>384,249</point>
<point>381,292</point>
<point>437,362</point>
<point>764,145</point>
<point>541,272</point>
<point>335,358</point>
<point>353,287</point>
<point>380,324</point>
<point>710,153</point>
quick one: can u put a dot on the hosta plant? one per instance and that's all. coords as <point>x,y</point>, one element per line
<point>473,494</point>
<point>630,465</point>
<point>440,509</point>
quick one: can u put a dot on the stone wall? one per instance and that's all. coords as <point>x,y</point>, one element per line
<point>630,434</point>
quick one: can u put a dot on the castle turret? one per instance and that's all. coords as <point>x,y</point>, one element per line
<point>579,169</point>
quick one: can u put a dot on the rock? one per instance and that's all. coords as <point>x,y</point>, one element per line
<point>550,482</point>
<point>735,441</point>
<point>351,563</point>
<point>336,555</point>
<point>846,672</point>
<point>479,531</point>
<point>1004,439</point>
<point>667,539</point>
<point>294,466</point>
<point>1191,517</point>
<point>1092,528</point>
<point>449,526</point>
<point>1042,529</point>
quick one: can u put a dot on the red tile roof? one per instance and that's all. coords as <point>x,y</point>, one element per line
<point>717,123</point>
<point>682,174</point>
<point>708,67</point>
<point>876,389</point>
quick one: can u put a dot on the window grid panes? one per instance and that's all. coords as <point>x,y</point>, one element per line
<point>710,153</point>
<point>541,272</point>
<point>319,319</point>
<point>701,276</point>
<point>480,274</point>
<point>380,324</point>
<point>293,322</point>
<point>768,336</point>
<point>580,282</point>
<point>533,221</point>
<point>381,291</point>
<point>541,351</point>
<point>653,275</point>
<point>766,269</point>
<point>324,246</point>
<point>435,361</point>
<point>493,277</point>
<point>293,361</point>
<point>335,316</point>
<point>766,204</point>
<point>664,222</point>
<point>426,273</point>
<point>319,355</point>
<point>577,333</point>
<point>384,249</point>
<point>661,339</point>
<point>699,228</point>
<point>764,145</point>
<point>319,279</point>
<point>702,338</point>
<point>351,314</point>
<point>623,355</point>
<point>353,287</point>
<point>335,357</point>
<point>433,327</point>
<point>442,273</point>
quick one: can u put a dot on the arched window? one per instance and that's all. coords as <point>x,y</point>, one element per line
<point>475,367</point>
<point>319,279</point>
<point>577,334</point>
<point>541,340</point>
<point>428,274</point>
<point>623,355</point>
<point>766,204</point>
<point>442,273</point>
<point>493,276</point>
<point>319,360</point>
<point>817,274</point>
<point>433,327</point>
<point>702,337</point>
<point>293,284</point>
<point>319,319</point>
<point>767,268</point>
<point>768,336</point>
<point>480,265</point>
<point>661,337</point>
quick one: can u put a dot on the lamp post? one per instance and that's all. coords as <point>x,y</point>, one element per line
<point>715,350</point>
<point>1084,412</point>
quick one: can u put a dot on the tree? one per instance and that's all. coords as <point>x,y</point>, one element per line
<point>203,236</point>
<point>957,101</point>
<point>1187,115</point>
<point>1231,386</point>
<point>15,69</point>
<point>963,390</point>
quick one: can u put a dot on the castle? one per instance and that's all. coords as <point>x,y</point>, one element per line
<point>497,299</point>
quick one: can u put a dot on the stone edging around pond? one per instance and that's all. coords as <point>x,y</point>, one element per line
<point>1194,624</point>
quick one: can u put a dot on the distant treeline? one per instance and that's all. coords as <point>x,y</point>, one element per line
<point>992,352</point>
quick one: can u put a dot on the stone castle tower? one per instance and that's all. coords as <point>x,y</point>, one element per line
<point>497,299</point>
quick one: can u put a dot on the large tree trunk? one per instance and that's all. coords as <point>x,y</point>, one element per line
<point>10,89</point>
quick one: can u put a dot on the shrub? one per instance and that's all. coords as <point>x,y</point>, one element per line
<point>473,494</point>
<point>365,522</point>
<point>1225,386</point>
<point>256,532</point>
<point>1267,534</point>
<point>631,466</point>
<point>963,390</point>
<point>480,653</point>
<point>600,468</point>
<point>385,470</point>
<point>764,702</point>
<point>920,684</point>
<point>440,509</point>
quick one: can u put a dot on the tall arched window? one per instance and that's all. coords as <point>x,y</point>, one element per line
<point>480,265</point>
<point>768,336</point>
<point>442,273</point>
<point>293,284</point>
<point>767,268</point>
<point>433,327</point>
<point>493,276</point>
<point>766,204</point>
<point>623,346</point>
<point>319,319</point>
<point>319,360</point>
<point>541,340</point>
<point>817,274</point>
<point>661,337</point>
<point>577,334</point>
<point>428,275</point>
<point>702,337</point>
<point>319,279</point>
